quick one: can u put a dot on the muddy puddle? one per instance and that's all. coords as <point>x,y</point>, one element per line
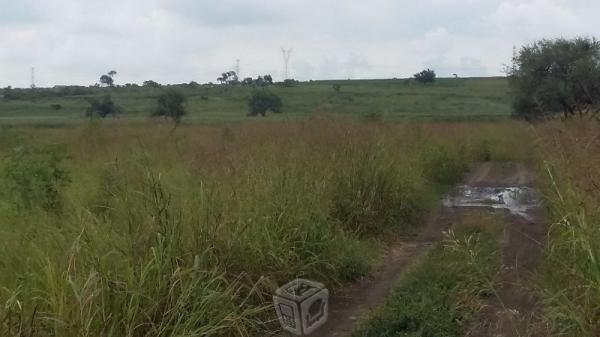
<point>517,200</point>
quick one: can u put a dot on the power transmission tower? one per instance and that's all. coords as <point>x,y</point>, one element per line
<point>237,68</point>
<point>32,77</point>
<point>286,61</point>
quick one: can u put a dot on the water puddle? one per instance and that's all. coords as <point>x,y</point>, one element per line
<point>517,200</point>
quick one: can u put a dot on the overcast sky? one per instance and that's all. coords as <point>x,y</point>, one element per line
<point>176,41</point>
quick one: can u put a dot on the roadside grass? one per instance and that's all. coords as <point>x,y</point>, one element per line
<point>569,160</point>
<point>441,292</point>
<point>186,232</point>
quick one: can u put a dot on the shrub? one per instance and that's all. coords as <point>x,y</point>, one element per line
<point>425,76</point>
<point>170,105</point>
<point>263,101</point>
<point>102,107</point>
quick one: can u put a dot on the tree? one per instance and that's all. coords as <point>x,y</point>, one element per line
<point>102,107</point>
<point>288,83</point>
<point>263,101</point>
<point>107,80</point>
<point>9,93</point>
<point>151,84</point>
<point>229,77</point>
<point>170,105</point>
<point>425,76</point>
<point>560,76</point>
<point>247,81</point>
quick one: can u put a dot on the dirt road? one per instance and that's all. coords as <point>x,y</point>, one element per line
<point>520,247</point>
<point>516,310</point>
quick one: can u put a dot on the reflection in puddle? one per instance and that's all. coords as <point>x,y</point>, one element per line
<point>518,200</point>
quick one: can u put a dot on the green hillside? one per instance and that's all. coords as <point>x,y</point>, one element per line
<point>396,99</point>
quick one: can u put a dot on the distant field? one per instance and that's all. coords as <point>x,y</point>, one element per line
<point>394,100</point>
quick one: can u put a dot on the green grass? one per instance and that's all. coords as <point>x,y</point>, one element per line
<point>393,100</point>
<point>164,232</point>
<point>440,293</point>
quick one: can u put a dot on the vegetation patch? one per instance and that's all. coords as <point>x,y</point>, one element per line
<point>439,295</point>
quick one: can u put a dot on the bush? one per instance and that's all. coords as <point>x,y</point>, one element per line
<point>263,101</point>
<point>425,76</point>
<point>102,107</point>
<point>170,105</point>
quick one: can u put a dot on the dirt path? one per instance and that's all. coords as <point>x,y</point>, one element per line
<point>348,305</point>
<point>500,175</point>
<point>516,308</point>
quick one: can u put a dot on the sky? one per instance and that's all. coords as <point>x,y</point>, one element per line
<point>178,41</point>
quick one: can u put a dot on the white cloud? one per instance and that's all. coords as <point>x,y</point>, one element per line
<point>70,41</point>
<point>534,19</point>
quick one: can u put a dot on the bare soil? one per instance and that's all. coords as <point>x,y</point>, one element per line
<point>508,315</point>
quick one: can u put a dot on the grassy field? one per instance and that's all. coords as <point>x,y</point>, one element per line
<point>394,100</point>
<point>128,227</point>
<point>139,230</point>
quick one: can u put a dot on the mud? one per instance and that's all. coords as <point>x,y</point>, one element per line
<point>518,200</point>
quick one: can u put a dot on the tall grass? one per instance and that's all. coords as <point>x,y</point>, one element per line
<point>570,161</point>
<point>186,233</point>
